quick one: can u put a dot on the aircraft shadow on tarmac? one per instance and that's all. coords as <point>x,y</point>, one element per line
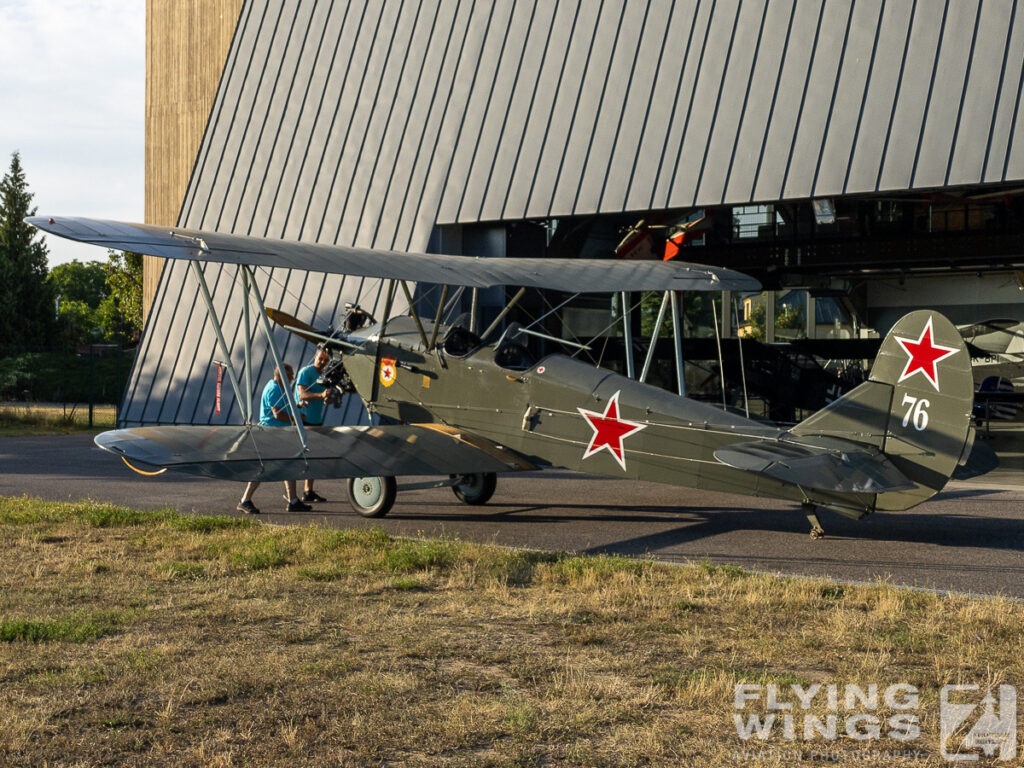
<point>694,523</point>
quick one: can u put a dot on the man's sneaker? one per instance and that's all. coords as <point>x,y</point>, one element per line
<point>248,507</point>
<point>311,497</point>
<point>298,506</point>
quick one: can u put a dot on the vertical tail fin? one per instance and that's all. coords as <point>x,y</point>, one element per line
<point>915,406</point>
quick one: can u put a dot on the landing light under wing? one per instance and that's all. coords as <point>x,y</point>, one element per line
<point>571,275</point>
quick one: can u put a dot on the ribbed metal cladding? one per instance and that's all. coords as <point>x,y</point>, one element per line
<point>368,122</point>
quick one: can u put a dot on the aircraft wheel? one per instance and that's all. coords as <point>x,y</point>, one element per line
<point>372,496</point>
<point>475,489</point>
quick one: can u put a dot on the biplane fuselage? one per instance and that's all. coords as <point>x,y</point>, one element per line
<point>537,412</point>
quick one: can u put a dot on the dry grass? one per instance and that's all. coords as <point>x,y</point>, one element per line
<point>33,419</point>
<point>138,638</point>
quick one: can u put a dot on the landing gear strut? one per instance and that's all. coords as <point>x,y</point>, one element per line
<point>810,510</point>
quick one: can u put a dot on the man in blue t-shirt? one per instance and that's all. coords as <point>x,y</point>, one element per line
<point>274,413</point>
<point>311,395</point>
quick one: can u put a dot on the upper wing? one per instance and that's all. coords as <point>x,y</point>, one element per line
<point>274,453</point>
<point>571,275</point>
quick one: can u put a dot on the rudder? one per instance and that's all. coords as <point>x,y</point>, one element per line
<point>915,406</point>
<point>929,431</point>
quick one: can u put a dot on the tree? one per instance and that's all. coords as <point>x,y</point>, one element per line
<point>76,281</point>
<point>124,284</point>
<point>26,303</point>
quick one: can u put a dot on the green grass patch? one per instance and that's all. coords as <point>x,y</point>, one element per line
<point>323,572</point>
<point>331,539</point>
<point>25,510</point>
<point>572,569</point>
<point>412,556</point>
<point>726,570</point>
<point>406,583</point>
<point>184,571</point>
<point>833,592</point>
<point>514,567</point>
<point>260,553</point>
<point>206,523</point>
<point>74,629</point>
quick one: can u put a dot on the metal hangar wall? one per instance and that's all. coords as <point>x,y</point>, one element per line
<point>377,122</point>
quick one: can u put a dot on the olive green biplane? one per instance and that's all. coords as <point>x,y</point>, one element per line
<point>465,406</point>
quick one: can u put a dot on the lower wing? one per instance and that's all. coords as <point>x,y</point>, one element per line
<point>274,453</point>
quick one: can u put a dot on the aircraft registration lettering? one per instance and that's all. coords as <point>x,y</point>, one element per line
<point>388,371</point>
<point>609,430</point>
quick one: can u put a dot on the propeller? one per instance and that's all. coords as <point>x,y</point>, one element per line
<point>304,330</point>
<point>296,326</point>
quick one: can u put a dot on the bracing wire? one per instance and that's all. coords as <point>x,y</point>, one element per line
<point>739,343</point>
<point>718,343</point>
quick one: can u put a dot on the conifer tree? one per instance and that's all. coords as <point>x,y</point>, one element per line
<point>26,304</point>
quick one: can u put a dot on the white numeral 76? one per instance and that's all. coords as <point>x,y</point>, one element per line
<point>916,410</point>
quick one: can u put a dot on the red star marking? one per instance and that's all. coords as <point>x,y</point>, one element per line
<point>609,430</point>
<point>924,354</point>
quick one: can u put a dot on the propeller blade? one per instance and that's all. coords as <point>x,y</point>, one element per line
<point>294,325</point>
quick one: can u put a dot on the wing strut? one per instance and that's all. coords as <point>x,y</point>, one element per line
<point>627,334</point>
<point>416,315</point>
<point>654,338</point>
<point>677,333</point>
<point>247,405</point>
<point>718,343</point>
<point>739,343</point>
<point>388,301</point>
<point>501,315</point>
<point>277,361</point>
<point>437,317</point>
<point>201,279</point>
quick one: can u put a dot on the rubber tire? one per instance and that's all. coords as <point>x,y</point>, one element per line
<point>382,497</point>
<point>479,489</point>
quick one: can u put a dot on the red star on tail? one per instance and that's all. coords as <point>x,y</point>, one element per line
<point>924,354</point>
<point>609,430</point>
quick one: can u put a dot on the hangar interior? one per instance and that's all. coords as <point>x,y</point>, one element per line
<point>859,158</point>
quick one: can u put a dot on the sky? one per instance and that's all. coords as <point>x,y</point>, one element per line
<point>72,102</point>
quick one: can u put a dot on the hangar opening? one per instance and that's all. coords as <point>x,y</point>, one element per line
<point>860,159</point>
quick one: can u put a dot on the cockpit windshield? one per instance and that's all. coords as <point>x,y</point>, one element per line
<point>511,352</point>
<point>460,341</point>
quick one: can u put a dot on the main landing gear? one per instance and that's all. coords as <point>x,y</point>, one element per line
<point>374,496</point>
<point>810,510</point>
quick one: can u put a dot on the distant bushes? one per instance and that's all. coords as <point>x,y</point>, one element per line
<point>64,377</point>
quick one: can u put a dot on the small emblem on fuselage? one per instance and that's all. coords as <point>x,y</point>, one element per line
<point>387,371</point>
<point>609,430</point>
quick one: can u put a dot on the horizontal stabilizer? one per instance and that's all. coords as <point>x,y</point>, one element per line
<point>823,464</point>
<point>274,453</point>
<point>572,275</point>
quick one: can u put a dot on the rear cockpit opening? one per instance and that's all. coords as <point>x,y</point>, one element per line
<point>511,352</point>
